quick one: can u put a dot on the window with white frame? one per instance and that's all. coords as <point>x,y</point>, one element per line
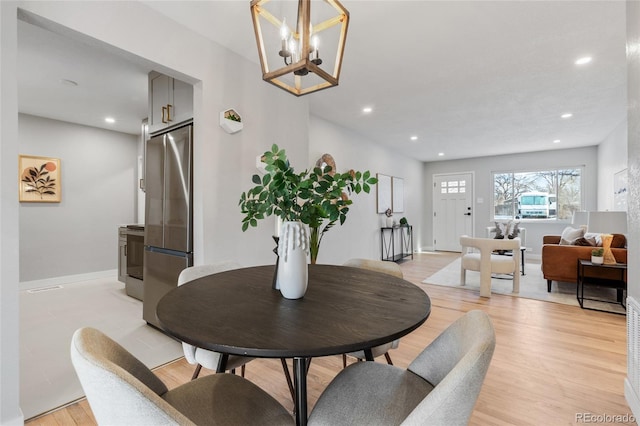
<point>537,195</point>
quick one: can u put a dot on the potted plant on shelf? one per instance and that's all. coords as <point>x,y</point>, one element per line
<point>315,197</point>
<point>597,256</point>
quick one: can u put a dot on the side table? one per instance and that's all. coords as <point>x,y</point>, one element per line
<point>510,253</point>
<point>602,275</point>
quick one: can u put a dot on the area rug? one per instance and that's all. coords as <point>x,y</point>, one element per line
<point>532,286</point>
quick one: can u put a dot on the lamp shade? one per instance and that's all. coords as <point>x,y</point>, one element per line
<point>580,218</point>
<point>607,222</point>
<point>300,43</point>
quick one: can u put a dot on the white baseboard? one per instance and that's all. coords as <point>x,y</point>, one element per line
<point>16,421</point>
<point>632,399</point>
<point>50,282</point>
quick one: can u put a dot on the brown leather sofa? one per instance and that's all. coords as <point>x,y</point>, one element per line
<point>560,262</point>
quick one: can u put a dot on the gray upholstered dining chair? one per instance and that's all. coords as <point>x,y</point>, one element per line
<point>203,357</point>
<point>440,387</point>
<point>121,390</point>
<point>390,268</point>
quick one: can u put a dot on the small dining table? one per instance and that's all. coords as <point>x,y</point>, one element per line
<point>344,310</point>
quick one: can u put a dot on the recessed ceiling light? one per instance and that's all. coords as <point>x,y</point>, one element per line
<point>441,154</point>
<point>110,120</point>
<point>367,110</point>
<point>414,138</point>
<point>584,60</point>
<point>67,82</point>
<point>567,115</point>
<point>556,141</point>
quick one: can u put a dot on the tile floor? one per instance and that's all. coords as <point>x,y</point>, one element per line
<point>48,319</point>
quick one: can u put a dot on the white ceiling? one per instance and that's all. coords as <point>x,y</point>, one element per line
<point>470,78</point>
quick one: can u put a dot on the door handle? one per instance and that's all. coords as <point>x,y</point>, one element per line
<point>169,106</point>
<point>467,214</point>
<point>164,109</point>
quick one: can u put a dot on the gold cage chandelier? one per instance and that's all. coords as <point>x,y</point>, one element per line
<point>290,57</point>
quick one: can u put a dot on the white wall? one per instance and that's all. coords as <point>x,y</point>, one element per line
<point>485,166</point>
<point>223,163</point>
<point>612,158</point>
<point>360,234</point>
<point>10,413</point>
<point>78,235</point>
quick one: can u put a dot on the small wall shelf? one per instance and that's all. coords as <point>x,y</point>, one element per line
<point>230,126</point>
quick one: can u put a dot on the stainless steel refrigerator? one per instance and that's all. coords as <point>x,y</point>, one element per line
<point>168,235</point>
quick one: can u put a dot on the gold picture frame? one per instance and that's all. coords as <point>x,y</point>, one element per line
<point>39,179</point>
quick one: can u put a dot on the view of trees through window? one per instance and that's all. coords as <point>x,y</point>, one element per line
<point>548,194</point>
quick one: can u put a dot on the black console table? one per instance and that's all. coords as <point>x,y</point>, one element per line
<point>404,248</point>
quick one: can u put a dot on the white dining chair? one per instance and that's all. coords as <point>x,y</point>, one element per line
<point>390,268</point>
<point>203,357</point>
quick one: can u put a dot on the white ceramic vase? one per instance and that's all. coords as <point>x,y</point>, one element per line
<point>389,221</point>
<point>597,260</point>
<point>293,248</point>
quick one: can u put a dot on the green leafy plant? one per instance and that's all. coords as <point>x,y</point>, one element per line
<point>597,252</point>
<point>231,116</point>
<point>317,197</point>
<point>403,221</point>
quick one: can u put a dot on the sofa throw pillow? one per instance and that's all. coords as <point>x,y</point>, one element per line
<point>594,238</point>
<point>515,231</point>
<point>569,235</point>
<point>501,230</point>
<point>584,242</point>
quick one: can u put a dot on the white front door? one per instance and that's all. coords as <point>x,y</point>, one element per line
<point>452,210</point>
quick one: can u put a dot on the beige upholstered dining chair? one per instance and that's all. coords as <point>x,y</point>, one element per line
<point>121,390</point>
<point>440,387</point>
<point>203,357</point>
<point>390,268</point>
<point>477,255</point>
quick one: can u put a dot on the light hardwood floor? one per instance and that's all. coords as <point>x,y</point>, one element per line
<point>552,362</point>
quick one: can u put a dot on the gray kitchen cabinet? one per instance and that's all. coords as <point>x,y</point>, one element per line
<point>122,254</point>
<point>170,101</point>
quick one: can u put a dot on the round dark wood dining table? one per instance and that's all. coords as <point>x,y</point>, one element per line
<point>344,310</point>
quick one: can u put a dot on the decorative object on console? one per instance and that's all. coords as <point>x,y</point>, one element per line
<point>389,219</point>
<point>327,160</point>
<point>403,221</point>
<point>231,121</point>
<point>39,179</point>
<point>299,46</point>
<point>313,197</point>
<point>607,223</point>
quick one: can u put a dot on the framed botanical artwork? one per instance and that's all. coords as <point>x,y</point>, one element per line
<point>383,194</point>
<point>39,179</point>
<point>397,194</point>
<point>620,190</point>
